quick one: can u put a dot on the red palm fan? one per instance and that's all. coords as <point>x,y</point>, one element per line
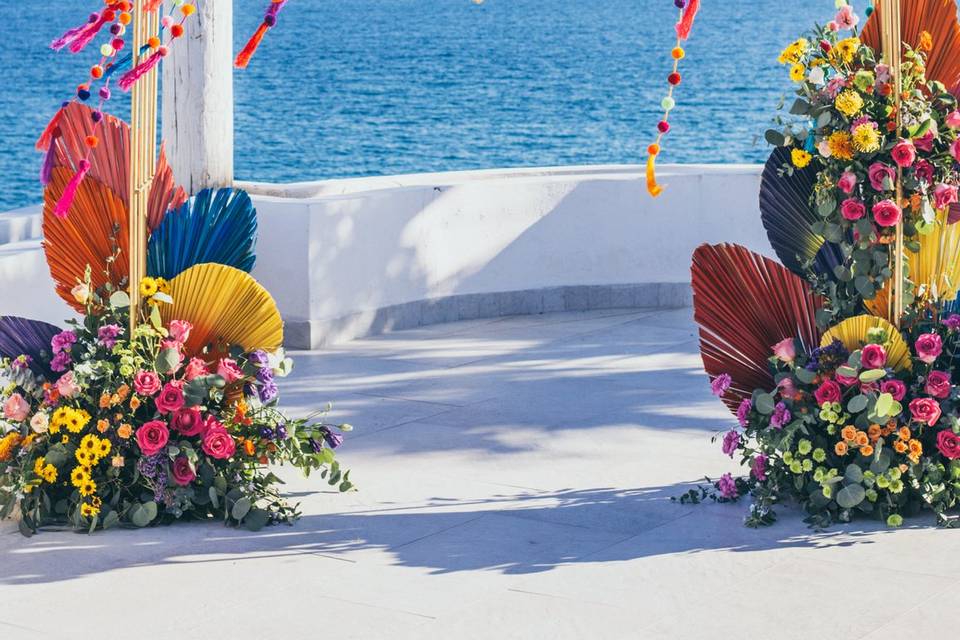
<point>744,304</point>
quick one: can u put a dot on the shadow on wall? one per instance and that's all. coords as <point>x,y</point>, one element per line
<point>516,534</point>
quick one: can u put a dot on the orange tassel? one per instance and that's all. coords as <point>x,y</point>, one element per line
<point>151,5</point>
<point>43,142</point>
<point>243,58</point>
<point>653,188</point>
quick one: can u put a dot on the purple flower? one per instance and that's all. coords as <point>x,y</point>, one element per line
<point>333,440</point>
<point>266,433</point>
<point>780,417</point>
<point>727,486</point>
<point>759,469</point>
<point>952,321</point>
<point>61,362</point>
<point>316,445</point>
<point>268,392</point>
<point>731,441</point>
<point>21,363</point>
<point>281,432</point>
<point>107,334</point>
<point>720,384</point>
<point>265,375</point>
<point>743,411</point>
<point>63,341</point>
<point>259,358</point>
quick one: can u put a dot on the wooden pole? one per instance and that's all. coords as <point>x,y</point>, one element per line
<point>198,99</point>
<point>891,41</point>
<point>143,154</point>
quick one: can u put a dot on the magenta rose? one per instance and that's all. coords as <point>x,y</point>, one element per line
<point>904,153</point>
<point>847,380</point>
<point>925,142</point>
<point>852,209</point>
<point>187,422</point>
<point>146,383</point>
<point>923,170</point>
<point>179,330</point>
<point>228,370</point>
<point>829,391</point>
<point>944,195</point>
<point>170,399</point>
<point>955,149</point>
<point>949,444</point>
<point>928,347</point>
<point>895,388</point>
<point>886,213</point>
<point>925,410</point>
<point>873,356</point>
<point>953,119</point>
<point>869,387</point>
<point>938,384</point>
<point>212,424</point>
<point>217,443</point>
<point>183,474</point>
<point>195,368</point>
<point>152,437</point>
<point>881,176</point>
<point>847,182</point>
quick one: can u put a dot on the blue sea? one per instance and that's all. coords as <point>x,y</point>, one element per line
<point>371,87</point>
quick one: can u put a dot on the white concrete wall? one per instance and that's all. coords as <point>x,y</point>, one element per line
<point>349,257</point>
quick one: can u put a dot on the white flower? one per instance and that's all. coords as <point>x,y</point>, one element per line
<point>824,148</point>
<point>40,422</point>
<point>81,293</point>
<point>816,76</point>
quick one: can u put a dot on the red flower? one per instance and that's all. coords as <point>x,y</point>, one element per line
<point>170,399</point>
<point>152,437</point>
<point>949,444</point>
<point>829,391</point>
<point>188,422</point>
<point>217,443</point>
<point>895,388</point>
<point>886,213</point>
<point>183,474</point>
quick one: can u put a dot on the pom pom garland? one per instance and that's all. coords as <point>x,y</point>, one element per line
<point>269,21</point>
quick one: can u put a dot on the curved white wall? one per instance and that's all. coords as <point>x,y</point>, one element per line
<point>350,257</point>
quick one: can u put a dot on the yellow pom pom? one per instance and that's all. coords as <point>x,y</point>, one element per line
<point>106,50</point>
<point>678,53</point>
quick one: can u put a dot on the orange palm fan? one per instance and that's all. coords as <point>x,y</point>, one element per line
<point>745,303</point>
<point>939,19</point>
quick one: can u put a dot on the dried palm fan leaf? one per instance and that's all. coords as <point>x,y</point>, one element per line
<point>95,231</point>
<point>23,337</point>
<point>216,226</point>
<point>109,160</point>
<point>788,217</point>
<point>937,17</point>
<point>745,303</point>
<point>852,332</point>
<point>226,307</point>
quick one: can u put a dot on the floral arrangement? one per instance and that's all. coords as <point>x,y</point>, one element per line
<point>104,428</point>
<point>844,406</point>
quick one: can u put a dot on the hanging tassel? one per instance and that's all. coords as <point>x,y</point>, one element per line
<point>49,158</point>
<point>151,5</point>
<point>72,34</point>
<point>653,188</point>
<point>686,22</point>
<point>130,78</point>
<point>269,20</point>
<point>62,209</point>
<point>43,142</point>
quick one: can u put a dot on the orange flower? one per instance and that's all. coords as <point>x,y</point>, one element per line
<point>104,400</point>
<point>900,446</point>
<point>916,447</point>
<point>849,433</point>
<point>904,433</point>
<point>123,392</point>
<point>874,432</point>
<point>134,403</point>
<point>862,439</point>
<point>102,426</point>
<point>926,41</point>
<point>249,448</point>
<point>115,399</point>
<point>125,431</point>
<point>903,468</point>
<point>866,450</point>
<point>263,460</point>
<point>840,448</point>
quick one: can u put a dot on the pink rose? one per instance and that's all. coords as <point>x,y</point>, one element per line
<point>228,370</point>
<point>195,368</point>
<point>925,142</point>
<point>217,443</point>
<point>953,119</point>
<point>881,176</point>
<point>869,387</point>
<point>847,381</point>
<point>146,383</point>
<point>152,437</point>
<point>170,399</point>
<point>847,182</point>
<point>948,442</point>
<point>852,209</point>
<point>183,474</point>
<point>873,356</point>
<point>187,421</point>
<point>16,409</point>
<point>829,391</point>
<point>904,153</point>
<point>177,348</point>
<point>895,388</point>
<point>212,424</point>
<point>886,213</point>
<point>785,350</point>
<point>67,385</point>
<point>925,410</point>
<point>923,170</point>
<point>787,389</point>
<point>938,384</point>
<point>179,330</point>
<point>928,347</point>
<point>955,149</point>
<point>944,195</point>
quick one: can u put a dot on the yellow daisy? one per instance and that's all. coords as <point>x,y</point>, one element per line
<point>800,158</point>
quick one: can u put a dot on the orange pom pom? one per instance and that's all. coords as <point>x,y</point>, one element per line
<point>153,42</point>
<point>677,53</point>
<point>96,71</point>
<point>92,141</point>
<point>124,18</point>
<point>653,149</point>
<point>188,10</point>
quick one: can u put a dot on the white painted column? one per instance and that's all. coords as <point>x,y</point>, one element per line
<point>198,99</point>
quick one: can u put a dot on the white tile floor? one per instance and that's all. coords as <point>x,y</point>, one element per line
<point>514,478</point>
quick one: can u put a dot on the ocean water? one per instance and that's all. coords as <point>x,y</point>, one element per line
<point>374,87</point>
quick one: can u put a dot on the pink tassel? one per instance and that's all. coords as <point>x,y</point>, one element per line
<point>46,169</point>
<point>88,34</point>
<point>130,77</point>
<point>151,5</point>
<point>72,34</point>
<point>686,22</point>
<point>62,210</point>
<point>43,142</point>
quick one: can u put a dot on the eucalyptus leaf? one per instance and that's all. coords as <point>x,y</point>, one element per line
<point>765,403</point>
<point>872,375</point>
<point>240,508</point>
<point>857,403</point>
<point>850,496</point>
<point>119,300</point>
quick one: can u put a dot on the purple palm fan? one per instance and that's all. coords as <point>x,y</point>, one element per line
<point>20,336</point>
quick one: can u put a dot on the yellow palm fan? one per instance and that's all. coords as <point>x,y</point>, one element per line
<point>226,307</point>
<point>852,332</point>
<point>95,230</point>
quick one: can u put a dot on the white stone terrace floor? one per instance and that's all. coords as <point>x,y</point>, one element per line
<point>514,478</point>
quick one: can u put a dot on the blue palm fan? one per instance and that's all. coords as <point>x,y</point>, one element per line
<point>23,337</point>
<point>788,217</point>
<point>214,226</point>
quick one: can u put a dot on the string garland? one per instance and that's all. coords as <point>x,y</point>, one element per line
<point>688,11</point>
